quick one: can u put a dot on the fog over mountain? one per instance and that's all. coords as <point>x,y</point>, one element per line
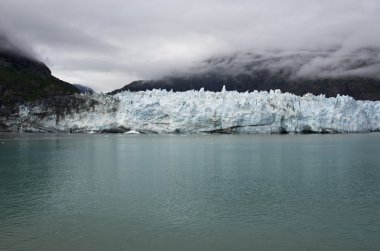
<point>23,78</point>
<point>107,44</point>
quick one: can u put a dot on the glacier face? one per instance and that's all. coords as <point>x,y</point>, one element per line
<point>160,111</point>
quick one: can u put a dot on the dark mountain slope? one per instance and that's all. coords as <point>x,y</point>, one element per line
<point>357,87</point>
<point>257,72</point>
<point>25,79</point>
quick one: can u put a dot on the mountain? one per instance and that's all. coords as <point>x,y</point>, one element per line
<point>84,89</point>
<point>23,78</point>
<point>355,74</point>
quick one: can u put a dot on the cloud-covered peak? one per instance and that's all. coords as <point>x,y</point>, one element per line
<point>105,44</point>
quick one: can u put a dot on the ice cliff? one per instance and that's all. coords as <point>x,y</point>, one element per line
<point>160,111</point>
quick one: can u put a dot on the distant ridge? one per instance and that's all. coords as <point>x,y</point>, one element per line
<point>257,72</point>
<point>84,89</point>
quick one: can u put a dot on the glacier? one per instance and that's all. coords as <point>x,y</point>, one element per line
<point>194,112</point>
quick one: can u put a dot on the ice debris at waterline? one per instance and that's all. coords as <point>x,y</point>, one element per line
<point>160,111</point>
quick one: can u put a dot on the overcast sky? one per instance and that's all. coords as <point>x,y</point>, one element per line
<point>107,44</point>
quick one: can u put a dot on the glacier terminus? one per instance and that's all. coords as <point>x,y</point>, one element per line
<point>196,112</point>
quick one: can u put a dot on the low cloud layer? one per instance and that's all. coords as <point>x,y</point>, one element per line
<point>106,44</point>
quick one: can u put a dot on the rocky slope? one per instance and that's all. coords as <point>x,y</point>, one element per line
<point>25,79</point>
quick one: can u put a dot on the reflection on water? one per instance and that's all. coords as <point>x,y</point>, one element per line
<point>118,192</point>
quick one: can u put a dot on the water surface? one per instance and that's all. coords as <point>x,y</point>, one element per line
<point>144,192</point>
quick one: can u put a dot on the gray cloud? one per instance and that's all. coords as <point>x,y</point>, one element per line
<point>106,44</point>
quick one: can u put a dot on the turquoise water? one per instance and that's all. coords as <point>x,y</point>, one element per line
<point>146,192</point>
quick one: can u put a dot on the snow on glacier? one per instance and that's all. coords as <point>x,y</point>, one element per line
<point>160,111</point>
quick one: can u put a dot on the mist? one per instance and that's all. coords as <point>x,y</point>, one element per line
<point>309,64</point>
<point>107,44</point>
<point>12,47</point>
